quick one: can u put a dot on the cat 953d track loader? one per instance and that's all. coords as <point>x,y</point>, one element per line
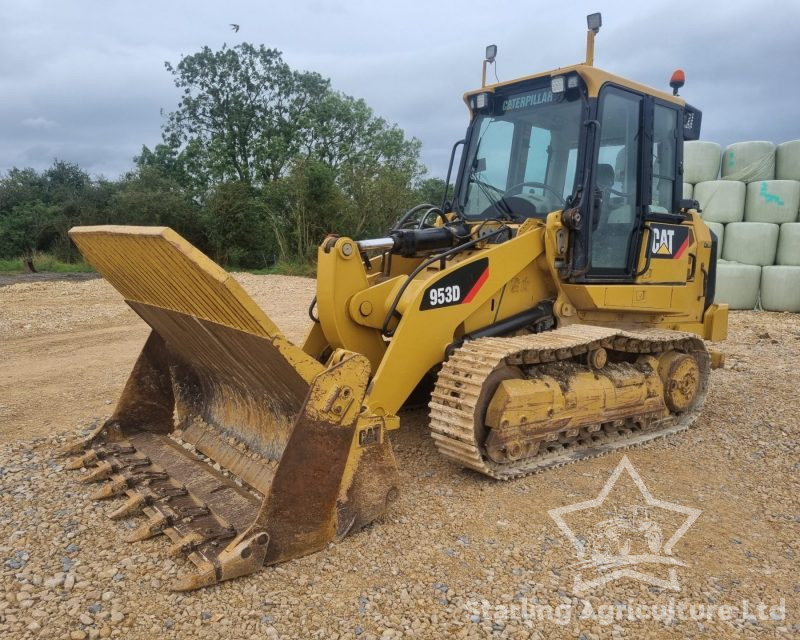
<point>559,306</point>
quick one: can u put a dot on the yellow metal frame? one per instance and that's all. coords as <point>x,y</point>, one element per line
<point>522,273</point>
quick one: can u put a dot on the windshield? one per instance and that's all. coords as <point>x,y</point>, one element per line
<point>522,158</point>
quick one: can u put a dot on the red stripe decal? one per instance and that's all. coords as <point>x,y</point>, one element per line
<point>476,287</point>
<point>680,251</point>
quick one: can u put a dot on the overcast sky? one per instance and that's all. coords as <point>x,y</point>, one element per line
<point>85,81</point>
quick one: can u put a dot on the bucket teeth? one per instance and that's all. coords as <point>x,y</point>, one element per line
<point>132,463</point>
<point>117,486</point>
<point>101,452</point>
<point>196,580</point>
<point>153,527</point>
<point>119,483</point>
<point>71,449</point>
<point>188,544</point>
<point>101,472</point>
<point>81,461</point>
<point>132,505</point>
<point>115,448</point>
<point>188,514</point>
<point>168,493</point>
<point>81,444</point>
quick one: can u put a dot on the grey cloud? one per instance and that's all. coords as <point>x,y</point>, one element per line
<point>96,70</point>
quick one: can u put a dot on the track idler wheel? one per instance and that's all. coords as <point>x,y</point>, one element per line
<point>680,374</point>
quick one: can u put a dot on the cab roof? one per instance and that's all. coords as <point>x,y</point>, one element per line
<point>592,76</point>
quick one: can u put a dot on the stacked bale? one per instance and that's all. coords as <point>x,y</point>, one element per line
<point>780,288</point>
<point>749,195</point>
<point>787,161</point>
<point>751,243</point>
<point>701,161</point>
<point>789,244</point>
<point>780,283</point>
<point>720,200</point>
<point>775,201</point>
<point>738,284</point>
<point>749,161</point>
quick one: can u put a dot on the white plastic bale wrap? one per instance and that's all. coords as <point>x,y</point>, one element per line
<point>688,189</point>
<point>719,231</point>
<point>701,161</point>
<point>751,242</point>
<point>775,201</point>
<point>721,200</point>
<point>737,284</point>
<point>780,288</point>
<point>749,161</point>
<point>787,160</point>
<point>789,245</point>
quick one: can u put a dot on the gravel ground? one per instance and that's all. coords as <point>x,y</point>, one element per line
<point>452,541</point>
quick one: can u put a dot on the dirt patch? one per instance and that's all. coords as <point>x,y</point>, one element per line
<point>455,553</point>
<point>68,347</point>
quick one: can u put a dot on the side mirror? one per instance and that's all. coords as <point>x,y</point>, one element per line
<point>687,203</point>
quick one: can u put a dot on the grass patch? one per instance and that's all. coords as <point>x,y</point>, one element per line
<point>45,263</point>
<point>306,269</point>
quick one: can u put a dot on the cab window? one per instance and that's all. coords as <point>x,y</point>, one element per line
<point>614,218</point>
<point>665,141</point>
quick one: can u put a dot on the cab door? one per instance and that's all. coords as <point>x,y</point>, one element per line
<point>640,254</point>
<point>668,252</point>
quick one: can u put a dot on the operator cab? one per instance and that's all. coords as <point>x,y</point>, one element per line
<point>584,140</point>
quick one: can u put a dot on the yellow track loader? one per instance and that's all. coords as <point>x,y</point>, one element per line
<point>558,306</point>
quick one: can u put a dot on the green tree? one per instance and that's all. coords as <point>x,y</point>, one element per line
<point>235,221</point>
<point>20,186</point>
<point>31,226</point>
<point>303,208</point>
<point>431,190</point>
<point>241,112</point>
<point>151,196</point>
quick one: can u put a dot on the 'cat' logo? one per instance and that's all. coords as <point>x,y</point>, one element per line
<point>662,241</point>
<point>668,241</point>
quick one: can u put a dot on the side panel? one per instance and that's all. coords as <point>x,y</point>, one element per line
<point>673,280</point>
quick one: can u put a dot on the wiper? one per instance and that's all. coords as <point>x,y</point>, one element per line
<point>484,187</point>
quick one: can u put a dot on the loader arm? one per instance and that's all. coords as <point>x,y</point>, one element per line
<point>424,331</point>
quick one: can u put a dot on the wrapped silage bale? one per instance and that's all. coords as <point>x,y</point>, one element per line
<point>751,242</point>
<point>789,245</point>
<point>737,284</point>
<point>749,161</point>
<point>775,201</point>
<point>721,200</point>
<point>719,231</point>
<point>780,288</point>
<point>688,189</point>
<point>787,160</point>
<point>700,161</point>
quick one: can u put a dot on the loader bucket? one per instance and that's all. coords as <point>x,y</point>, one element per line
<point>233,442</point>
